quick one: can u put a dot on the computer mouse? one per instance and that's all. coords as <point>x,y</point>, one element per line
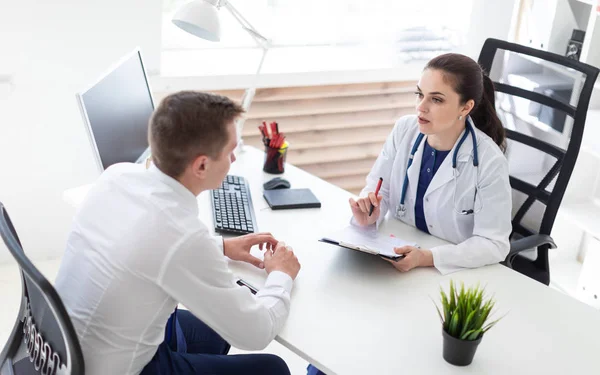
<point>276,183</point>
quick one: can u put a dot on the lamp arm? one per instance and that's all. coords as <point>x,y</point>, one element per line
<point>247,100</point>
<point>249,94</point>
<point>260,39</point>
<point>264,45</point>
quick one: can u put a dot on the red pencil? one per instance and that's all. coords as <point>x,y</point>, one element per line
<point>273,129</point>
<point>376,192</point>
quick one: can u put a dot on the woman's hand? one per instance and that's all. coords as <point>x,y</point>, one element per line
<point>413,257</point>
<point>362,206</point>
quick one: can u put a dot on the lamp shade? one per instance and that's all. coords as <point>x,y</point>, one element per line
<point>199,18</point>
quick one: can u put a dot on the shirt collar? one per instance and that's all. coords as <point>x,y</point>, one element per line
<point>428,148</point>
<point>187,198</point>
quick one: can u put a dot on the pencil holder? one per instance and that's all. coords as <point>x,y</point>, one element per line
<point>275,159</point>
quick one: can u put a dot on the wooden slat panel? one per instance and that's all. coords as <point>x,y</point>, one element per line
<point>254,141</point>
<point>335,132</point>
<point>354,191</point>
<point>349,120</point>
<point>335,137</point>
<point>338,153</point>
<point>327,170</point>
<point>313,92</point>
<point>354,182</point>
<point>231,94</point>
<point>331,91</point>
<point>271,110</point>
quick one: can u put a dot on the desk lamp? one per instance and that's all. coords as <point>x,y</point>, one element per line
<point>201,18</point>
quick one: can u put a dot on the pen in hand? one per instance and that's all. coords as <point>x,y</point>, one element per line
<point>376,192</point>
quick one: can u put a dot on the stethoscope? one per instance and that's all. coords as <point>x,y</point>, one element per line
<point>401,208</point>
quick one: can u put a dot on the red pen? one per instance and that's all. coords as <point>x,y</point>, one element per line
<point>267,130</point>
<point>376,192</point>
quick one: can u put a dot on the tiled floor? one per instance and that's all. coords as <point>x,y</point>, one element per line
<point>10,294</point>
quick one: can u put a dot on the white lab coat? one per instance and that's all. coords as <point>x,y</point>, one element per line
<point>480,238</point>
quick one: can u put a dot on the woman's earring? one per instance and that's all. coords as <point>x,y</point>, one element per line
<point>460,117</point>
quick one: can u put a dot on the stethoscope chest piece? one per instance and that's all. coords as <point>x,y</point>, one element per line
<point>400,210</point>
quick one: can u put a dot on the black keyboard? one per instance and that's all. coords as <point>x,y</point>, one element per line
<point>232,207</point>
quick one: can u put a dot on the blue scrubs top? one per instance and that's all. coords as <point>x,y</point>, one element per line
<point>431,161</point>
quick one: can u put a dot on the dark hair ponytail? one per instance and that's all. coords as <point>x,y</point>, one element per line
<point>485,116</point>
<point>470,82</point>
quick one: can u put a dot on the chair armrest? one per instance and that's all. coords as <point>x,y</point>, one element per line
<point>531,242</point>
<point>526,243</point>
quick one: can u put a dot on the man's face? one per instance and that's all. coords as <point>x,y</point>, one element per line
<point>219,166</point>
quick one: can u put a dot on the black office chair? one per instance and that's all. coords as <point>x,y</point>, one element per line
<point>523,237</point>
<point>43,340</point>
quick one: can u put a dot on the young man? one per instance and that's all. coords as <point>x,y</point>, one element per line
<point>138,248</point>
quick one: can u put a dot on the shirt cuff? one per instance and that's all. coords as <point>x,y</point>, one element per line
<point>220,244</point>
<point>278,278</point>
<point>439,262</point>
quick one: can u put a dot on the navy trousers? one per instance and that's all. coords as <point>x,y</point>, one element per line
<point>206,354</point>
<point>312,370</point>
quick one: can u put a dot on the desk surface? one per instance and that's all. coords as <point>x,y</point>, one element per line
<point>353,313</point>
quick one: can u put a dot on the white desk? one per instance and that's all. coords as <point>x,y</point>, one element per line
<point>353,313</point>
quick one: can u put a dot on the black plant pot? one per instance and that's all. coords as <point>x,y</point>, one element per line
<point>459,352</point>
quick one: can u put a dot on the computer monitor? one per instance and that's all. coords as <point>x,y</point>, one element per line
<point>116,110</point>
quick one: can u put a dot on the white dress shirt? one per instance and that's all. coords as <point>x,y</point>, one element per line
<point>137,248</point>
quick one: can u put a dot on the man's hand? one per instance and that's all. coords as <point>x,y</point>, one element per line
<point>362,206</point>
<point>413,257</point>
<point>282,259</point>
<point>238,248</point>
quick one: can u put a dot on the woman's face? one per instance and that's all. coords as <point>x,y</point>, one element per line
<point>438,105</point>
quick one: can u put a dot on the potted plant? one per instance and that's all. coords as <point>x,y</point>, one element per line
<point>464,317</point>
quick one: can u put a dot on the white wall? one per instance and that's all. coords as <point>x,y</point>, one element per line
<point>54,49</point>
<point>489,19</point>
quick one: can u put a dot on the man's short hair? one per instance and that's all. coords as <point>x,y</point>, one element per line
<point>188,124</point>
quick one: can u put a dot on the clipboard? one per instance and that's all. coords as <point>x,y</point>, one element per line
<point>364,249</point>
<point>367,240</point>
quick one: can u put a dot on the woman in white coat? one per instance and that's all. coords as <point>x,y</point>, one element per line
<point>453,190</point>
<point>457,186</point>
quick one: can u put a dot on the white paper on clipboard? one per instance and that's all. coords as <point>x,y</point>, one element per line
<point>367,240</point>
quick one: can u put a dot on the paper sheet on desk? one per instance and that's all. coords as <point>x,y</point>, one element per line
<point>369,238</point>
